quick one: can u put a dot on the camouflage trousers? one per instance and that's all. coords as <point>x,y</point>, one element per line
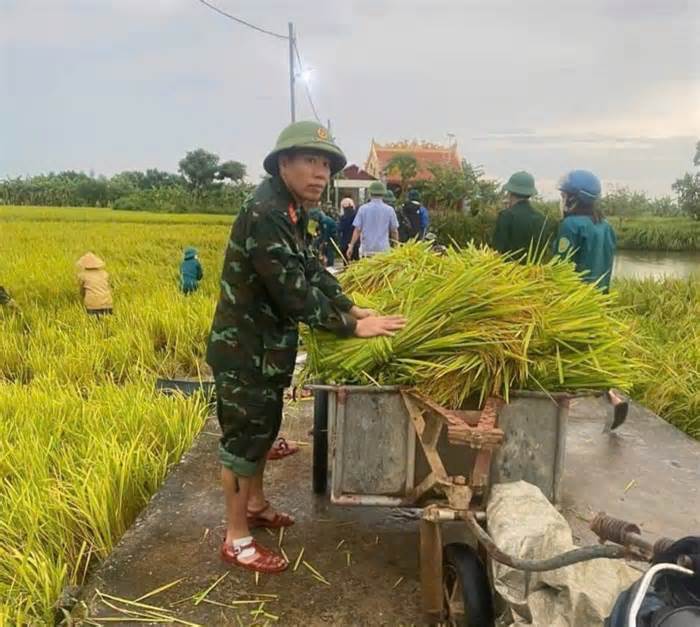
<point>250,416</point>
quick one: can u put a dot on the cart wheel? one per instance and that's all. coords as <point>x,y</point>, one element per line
<point>466,588</point>
<point>320,462</point>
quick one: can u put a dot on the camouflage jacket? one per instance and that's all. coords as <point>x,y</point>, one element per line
<point>271,281</point>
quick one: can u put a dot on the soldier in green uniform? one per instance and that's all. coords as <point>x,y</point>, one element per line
<point>270,282</point>
<point>519,226</point>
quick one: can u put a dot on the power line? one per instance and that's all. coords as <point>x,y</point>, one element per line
<point>243,22</point>
<point>289,37</point>
<point>306,86</point>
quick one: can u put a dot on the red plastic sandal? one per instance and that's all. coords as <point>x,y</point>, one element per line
<point>266,561</point>
<point>281,449</point>
<point>276,522</point>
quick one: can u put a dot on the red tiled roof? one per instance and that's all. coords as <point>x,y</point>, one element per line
<point>356,173</point>
<point>426,155</point>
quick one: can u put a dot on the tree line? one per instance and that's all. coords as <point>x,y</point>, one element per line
<point>467,188</point>
<point>203,183</point>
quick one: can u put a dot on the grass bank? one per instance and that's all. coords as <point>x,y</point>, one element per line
<point>648,233</point>
<point>651,233</point>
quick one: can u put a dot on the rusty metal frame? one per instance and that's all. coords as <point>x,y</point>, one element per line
<point>475,429</point>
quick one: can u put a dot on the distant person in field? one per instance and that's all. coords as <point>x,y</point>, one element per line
<point>519,227</point>
<point>94,285</point>
<point>191,272</point>
<point>5,298</point>
<point>584,234</point>
<point>345,228</point>
<point>375,224</point>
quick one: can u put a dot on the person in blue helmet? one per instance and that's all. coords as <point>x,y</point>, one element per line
<point>190,271</point>
<point>584,233</point>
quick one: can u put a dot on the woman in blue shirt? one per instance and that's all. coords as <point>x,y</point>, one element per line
<point>584,234</point>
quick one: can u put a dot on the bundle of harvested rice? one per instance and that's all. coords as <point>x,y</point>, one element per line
<point>477,324</point>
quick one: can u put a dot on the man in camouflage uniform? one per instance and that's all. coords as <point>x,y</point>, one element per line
<point>271,281</point>
<point>520,228</point>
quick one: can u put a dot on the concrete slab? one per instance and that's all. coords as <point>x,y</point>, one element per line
<point>647,472</point>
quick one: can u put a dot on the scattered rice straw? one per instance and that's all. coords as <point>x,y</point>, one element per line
<point>159,590</point>
<point>202,595</point>
<point>298,560</point>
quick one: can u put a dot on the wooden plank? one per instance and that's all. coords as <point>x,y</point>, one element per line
<point>431,569</point>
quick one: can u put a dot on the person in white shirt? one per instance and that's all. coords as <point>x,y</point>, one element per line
<point>375,224</point>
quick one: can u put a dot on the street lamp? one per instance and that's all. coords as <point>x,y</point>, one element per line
<point>305,75</point>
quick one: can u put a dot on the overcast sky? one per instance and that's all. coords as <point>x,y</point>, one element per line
<point>542,85</point>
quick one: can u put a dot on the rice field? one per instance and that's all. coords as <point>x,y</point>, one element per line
<point>665,314</point>
<point>84,439</point>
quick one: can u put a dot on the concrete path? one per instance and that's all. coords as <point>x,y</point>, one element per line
<point>179,535</point>
<point>647,472</point>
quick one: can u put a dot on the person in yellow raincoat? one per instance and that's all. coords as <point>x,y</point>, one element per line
<point>94,285</point>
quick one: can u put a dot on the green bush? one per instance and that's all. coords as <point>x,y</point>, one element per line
<point>223,199</point>
<point>461,229</point>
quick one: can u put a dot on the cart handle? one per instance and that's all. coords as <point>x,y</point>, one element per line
<point>574,556</point>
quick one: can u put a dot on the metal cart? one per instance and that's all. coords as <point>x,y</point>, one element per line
<point>391,446</point>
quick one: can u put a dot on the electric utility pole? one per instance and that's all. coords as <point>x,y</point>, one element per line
<point>292,72</point>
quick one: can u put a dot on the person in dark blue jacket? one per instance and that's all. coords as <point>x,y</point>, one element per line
<point>345,228</point>
<point>584,234</point>
<point>190,271</point>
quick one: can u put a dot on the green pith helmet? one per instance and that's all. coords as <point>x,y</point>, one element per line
<point>522,184</point>
<point>377,188</point>
<point>305,135</point>
<point>414,195</point>
<point>389,197</point>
